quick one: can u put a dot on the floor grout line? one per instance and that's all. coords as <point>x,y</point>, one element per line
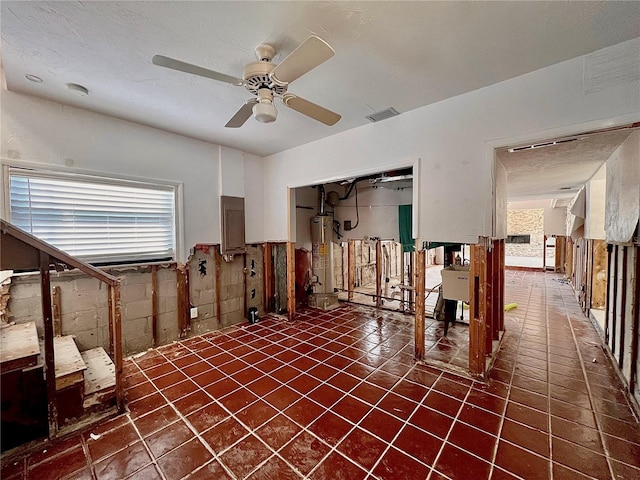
<point>508,393</point>
<point>549,426</point>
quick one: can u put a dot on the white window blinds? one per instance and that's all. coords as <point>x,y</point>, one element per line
<point>96,219</point>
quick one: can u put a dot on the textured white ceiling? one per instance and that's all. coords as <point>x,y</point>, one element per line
<point>388,54</point>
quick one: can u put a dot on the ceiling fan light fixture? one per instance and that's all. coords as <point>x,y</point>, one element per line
<point>265,112</point>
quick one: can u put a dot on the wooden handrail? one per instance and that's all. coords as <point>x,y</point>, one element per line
<point>56,255</point>
<point>41,256</point>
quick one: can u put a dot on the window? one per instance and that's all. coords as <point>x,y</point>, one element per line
<point>98,220</point>
<point>518,239</point>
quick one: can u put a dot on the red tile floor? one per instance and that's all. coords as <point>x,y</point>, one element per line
<point>337,396</point>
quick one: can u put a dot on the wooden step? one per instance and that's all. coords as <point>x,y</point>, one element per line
<point>99,378</point>
<point>69,364</point>
<point>19,346</point>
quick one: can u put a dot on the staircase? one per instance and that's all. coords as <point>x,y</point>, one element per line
<point>85,383</point>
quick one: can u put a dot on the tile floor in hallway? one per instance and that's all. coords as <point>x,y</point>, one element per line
<point>337,396</point>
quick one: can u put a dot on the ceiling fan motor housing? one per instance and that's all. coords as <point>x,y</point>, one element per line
<point>256,76</point>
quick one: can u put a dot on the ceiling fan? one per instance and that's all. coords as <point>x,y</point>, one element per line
<point>266,80</point>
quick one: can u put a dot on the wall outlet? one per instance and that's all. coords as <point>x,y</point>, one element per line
<point>194,312</point>
<point>347,225</point>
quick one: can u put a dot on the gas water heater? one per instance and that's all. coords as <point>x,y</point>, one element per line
<point>321,232</point>
<point>322,258</point>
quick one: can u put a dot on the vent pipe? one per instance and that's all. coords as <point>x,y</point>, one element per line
<point>322,200</point>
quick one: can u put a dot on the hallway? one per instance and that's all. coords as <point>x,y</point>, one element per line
<point>336,395</point>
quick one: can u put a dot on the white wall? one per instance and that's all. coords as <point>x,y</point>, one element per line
<point>555,221</point>
<point>596,198</point>
<point>623,190</point>
<point>378,212</point>
<point>231,172</point>
<point>240,175</point>
<point>455,176</point>
<point>36,131</point>
<point>529,204</point>
<point>253,199</point>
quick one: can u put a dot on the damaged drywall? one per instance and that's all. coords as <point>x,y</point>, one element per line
<point>623,191</point>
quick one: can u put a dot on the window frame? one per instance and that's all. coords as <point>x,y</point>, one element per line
<point>10,167</point>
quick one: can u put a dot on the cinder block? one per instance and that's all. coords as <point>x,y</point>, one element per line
<point>231,291</point>
<point>258,287</point>
<point>226,276</point>
<point>231,318</point>
<point>137,344</point>
<point>204,296</point>
<point>86,339</point>
<point>136,326</point>
<point>167,304</point>
<point>203,326</point>
<point>79,321</point>
<point>230,305</point>
<point>202,270</point>
<point>131,278</point>
<point>20,290</point>
<point>86,284</point>
<point>168,288</point>
<point>168,321</point>
<point>135,292</point>
<point>166,274</point>
<point>237,278</point>
<point>23,310</point>
<point>138,309</point>
<point>103,337</point>
<point>206,310</point>
<point>72,301</point>
<point>168,334</point>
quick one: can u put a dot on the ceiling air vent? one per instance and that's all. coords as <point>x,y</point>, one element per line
<point>383,115</point>
<point>542,145</point>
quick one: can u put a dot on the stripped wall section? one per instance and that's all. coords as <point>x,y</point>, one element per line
<point>622,317</point>
<point>220,290</point>
<point>255,278</point>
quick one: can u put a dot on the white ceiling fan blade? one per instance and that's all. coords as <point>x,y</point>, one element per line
<point>308,55</point>
<point>310,109</point>
<point>242,115</point>
<point>174,64</point>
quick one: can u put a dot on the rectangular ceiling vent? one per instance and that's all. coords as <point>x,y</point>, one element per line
<point>383,115</point>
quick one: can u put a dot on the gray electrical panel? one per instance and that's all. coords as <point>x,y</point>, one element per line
<point>232,210</point>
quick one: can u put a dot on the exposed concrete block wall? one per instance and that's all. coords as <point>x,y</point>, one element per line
<point>202,287</point>
<point>232,291</point>
<point>85,309</point>
<point>167,313</point>
<point>24,303</point>
<point>136,298</point>
<point>526,222</point>
<point>255,277</point>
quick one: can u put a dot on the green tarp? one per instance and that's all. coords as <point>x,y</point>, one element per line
<point>404,225</point>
